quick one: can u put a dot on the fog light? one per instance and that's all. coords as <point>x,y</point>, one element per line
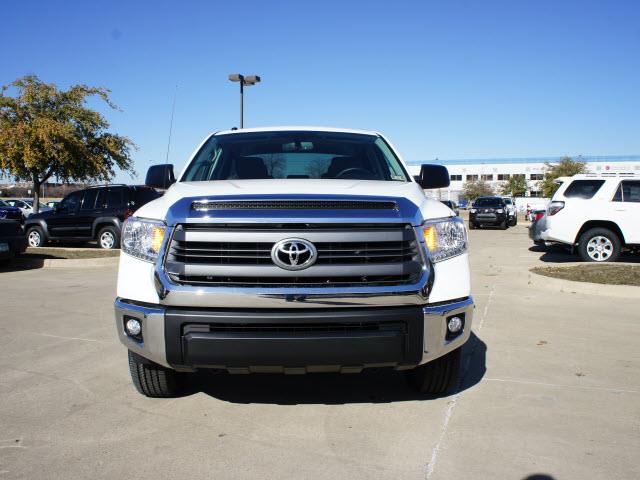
<point>133,327</point>
<point>454,324</point>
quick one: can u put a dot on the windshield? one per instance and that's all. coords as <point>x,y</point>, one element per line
<point>488,202</point>
<point>295,155</point>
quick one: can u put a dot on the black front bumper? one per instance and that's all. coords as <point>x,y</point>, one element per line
<point>252,340</point>
<point>488,219</point>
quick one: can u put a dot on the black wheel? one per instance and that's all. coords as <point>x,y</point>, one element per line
<point>472,226</point>
<point>599,245</point>
<point>35,237</point>
<point>108,238</point>
<point>438,376</point>
<point>514,221</point>
<point>503,225</point>
<point>153,380</point>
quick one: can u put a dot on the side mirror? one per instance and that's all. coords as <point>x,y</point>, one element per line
<point>433,176</point>
<point>160,176</point>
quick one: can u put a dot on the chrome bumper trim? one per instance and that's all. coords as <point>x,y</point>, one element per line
<point>435,328</point>
<point>152,319</point>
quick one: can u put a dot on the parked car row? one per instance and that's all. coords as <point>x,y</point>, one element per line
<point>96,213</point>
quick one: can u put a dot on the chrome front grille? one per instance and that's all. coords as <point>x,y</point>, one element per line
<point>240,255</point>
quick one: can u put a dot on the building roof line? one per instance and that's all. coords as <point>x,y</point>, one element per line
<point>520,160</point>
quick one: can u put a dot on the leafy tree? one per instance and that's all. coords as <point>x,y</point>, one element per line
<point>515,186</point>
<point>473,189</point>
<point>45,131</point>
<point>567,167</point>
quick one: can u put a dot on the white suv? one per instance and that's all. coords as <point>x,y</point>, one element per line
<point>598,213</point>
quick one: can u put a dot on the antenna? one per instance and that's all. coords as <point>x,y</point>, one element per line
<point>173,111</point>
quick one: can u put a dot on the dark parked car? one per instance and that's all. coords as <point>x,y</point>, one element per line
<point>12,239</point>
<point>488,211</point>
<point>452,205</point>
<point>96,213</point>
<point>9,212</point>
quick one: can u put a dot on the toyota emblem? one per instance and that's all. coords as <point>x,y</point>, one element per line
<point>294,254</point>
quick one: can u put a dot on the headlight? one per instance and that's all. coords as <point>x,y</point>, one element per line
<point>499,210</point>
<point>142,238</point>
<point>473,210</point>
<point>445,238</point>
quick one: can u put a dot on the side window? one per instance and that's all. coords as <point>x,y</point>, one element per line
<point>630,191</point>
<point>89,199</point>
<point>102,197</point>
<point>618,196</point>
<point>70,203</point>
<point>583,188</point>
<point>114,198</point>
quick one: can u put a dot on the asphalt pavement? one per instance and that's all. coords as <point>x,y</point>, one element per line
<point>551,387</point>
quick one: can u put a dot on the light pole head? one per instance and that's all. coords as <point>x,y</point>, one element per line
<point>236,77</point>
<point>251,79</point>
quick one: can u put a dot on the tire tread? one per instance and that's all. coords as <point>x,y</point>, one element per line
<point>154,380</point>
<point>438,376</point>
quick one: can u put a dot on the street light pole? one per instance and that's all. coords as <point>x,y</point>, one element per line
<point>244,81</point>
<point>242,103</point>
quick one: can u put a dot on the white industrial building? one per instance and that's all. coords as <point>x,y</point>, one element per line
<point>495,171</point>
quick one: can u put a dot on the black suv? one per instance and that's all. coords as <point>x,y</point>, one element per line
<point>96,213</point>
<point>488,211</point>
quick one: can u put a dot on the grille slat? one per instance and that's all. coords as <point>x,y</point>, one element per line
<point>294,205</point>
<point>214,256</point>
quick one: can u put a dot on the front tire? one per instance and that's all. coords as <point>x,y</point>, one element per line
<point>35,237</point>
<point>153,380</point>
<point>108,238</point>
<point>438,376</point>
<point>472,226</point>
<point>503,225</point>
<point>599,245</point>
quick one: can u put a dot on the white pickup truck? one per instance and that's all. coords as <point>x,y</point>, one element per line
<point>597,213</point>
<point>294,250</point>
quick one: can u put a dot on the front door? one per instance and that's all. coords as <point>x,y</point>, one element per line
<point>62,223</point>
<point>87,212</point>
<point>626,205</point>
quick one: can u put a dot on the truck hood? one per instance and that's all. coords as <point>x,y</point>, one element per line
<point>274,188</point>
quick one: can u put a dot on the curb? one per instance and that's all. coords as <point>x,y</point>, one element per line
<point>586,288</point>
<point>68,262</point>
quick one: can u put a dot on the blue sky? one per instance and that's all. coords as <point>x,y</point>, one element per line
<point>440,79</point>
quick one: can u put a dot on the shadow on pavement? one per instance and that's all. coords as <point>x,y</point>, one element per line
<point>560,254</point>
<point>21,263</point>
<point>370,386</point>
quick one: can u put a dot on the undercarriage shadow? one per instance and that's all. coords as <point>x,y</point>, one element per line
<point>370,386</point>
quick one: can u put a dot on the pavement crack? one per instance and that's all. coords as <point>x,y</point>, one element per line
<point>430,467</point>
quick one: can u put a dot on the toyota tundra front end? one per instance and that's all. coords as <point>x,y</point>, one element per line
<point>294,250</point>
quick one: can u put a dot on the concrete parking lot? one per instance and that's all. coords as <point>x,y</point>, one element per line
<point>551,386</point>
